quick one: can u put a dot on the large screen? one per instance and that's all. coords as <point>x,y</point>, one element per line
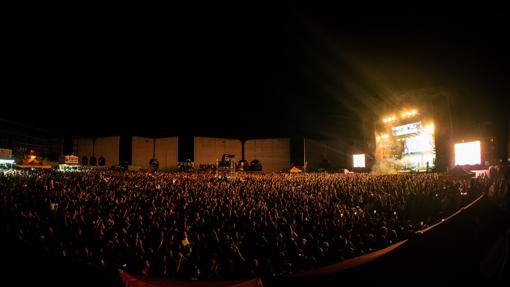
<point>410,147</point>
<point>358,160</point>
<point>468,153</point>
<point>422,142</point>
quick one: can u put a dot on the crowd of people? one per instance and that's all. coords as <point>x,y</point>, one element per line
<point>194,226</point>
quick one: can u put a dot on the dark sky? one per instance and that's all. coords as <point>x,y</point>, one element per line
<point>245,69</point>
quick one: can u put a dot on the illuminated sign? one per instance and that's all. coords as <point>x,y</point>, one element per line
<point>406,129</point>
<point>358,160</point>
<point>468,153</point>
<point>5,152</point>
<point>71,159</point>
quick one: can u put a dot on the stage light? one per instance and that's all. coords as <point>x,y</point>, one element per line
<point>468,153</point>
<point>358,160</point>
<point>389,119</point>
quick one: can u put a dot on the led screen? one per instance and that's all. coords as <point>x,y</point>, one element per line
<point>423,142</point>
<point>410,148</point>
<point>358,160</point>
<point>468,153</point>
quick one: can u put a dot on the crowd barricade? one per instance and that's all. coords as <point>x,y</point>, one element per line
<point>139,281</point>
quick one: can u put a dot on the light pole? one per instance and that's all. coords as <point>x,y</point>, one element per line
<point>304,154</point>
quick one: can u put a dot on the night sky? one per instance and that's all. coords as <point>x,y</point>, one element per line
<point>249,69</point>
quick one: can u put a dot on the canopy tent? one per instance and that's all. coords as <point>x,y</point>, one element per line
<point>295,170</point>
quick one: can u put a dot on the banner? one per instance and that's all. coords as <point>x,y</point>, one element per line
<point>406,129</point>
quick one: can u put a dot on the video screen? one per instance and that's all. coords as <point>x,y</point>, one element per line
<point>418,147</point>
<point>358,160</point>
<point>411,147</point>
<point>468,153</point>
<point>422,142</point>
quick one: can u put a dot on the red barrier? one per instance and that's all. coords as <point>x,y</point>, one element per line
<point>349,263</point>
<point>138,281</point>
